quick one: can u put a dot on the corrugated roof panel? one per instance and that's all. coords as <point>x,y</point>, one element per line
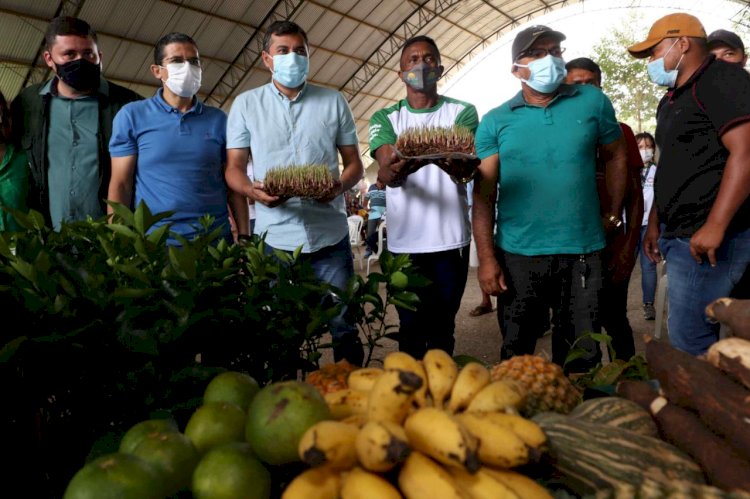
<point>346,32</point>
<point>44,9</point>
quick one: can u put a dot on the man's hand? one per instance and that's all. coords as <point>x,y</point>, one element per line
<point>491,278</point>
<point>459,169</point>
<point>618,258</point>
<point>705,242</point>
<point>258,194</point>
<point>393,169</point>
<point>651,243</point>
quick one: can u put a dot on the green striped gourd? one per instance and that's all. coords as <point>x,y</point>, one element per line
<point>617,412</point>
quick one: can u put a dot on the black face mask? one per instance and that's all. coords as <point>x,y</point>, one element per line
<point>80,74</point>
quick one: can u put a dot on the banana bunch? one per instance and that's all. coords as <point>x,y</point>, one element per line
<point>420,429</point>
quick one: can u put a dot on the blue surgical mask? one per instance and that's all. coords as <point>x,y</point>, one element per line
<point>290,70</point>
<point>547,73</point>
<point>659,74</point>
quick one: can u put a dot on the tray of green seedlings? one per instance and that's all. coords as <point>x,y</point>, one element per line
<point>311,181</point>
<point>441,143</point>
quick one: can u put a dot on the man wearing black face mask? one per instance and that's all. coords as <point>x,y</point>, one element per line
<point>65,125</point>
<point>428,215</point>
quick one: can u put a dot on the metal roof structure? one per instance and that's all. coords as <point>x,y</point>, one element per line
<point>354,44</point>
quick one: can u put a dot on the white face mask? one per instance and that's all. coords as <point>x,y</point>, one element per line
<point>647,155</point>
<point>184,79</point>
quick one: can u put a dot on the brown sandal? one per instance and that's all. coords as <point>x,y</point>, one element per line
<point>481,310</point>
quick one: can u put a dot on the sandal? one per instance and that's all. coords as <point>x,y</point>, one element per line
<point>481,310</point>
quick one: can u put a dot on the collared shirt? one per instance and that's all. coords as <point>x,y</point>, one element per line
<point>690,122</point>
<point>547,199</point>
<point>180,161</point>
<point>73,155</point>
<point>281,132</point>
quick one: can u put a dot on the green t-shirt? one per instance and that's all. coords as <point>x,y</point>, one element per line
<point>14,186</point>
<point>547,199</point>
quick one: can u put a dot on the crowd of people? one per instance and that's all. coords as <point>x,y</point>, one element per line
<point>564,200</point>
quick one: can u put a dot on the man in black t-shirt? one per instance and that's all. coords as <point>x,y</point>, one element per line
<point>703,181</point>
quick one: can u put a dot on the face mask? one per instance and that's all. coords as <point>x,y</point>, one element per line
<point>421,76</point>
<point>290,70</point>
<point>659,74</point>
<point>184,79</point>
<point>80,74</point>
<point>647,155</point>
<point>547,73</point>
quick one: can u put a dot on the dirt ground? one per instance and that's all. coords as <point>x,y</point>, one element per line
<point>480,337</point>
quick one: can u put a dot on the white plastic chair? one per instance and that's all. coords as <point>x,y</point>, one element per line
<point>355,237</point>
<point>381,245</point>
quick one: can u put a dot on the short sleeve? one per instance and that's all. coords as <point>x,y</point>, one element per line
<point>381,131</point>
<point>486,139</point>
<point>468,118</point>
<point>347,134</point>
<point>238,135</point>
<point>609,127</point>
<point>123,141</point>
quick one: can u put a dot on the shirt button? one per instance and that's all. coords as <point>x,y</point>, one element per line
<point>75,143</point>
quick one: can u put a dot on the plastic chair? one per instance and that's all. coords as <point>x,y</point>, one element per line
<point>660,303</point>
<point>381,245</point>
<point>355,237</point>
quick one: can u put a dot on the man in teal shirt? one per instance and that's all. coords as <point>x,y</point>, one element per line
<point>540,148</point>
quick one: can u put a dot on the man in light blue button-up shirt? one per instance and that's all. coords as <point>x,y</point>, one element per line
<point>291,122</point>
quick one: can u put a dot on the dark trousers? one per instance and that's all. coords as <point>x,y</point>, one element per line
<point>433,323</point>
<point>613,317</point>
<point>570,284</point>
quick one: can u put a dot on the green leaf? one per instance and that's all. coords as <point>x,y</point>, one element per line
<point>10,348</point>
<point>122,230</point>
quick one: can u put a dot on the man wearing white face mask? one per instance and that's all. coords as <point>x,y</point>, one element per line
<point>169,151</point>
<point>540,150</point>
<point>703,180</point>
<point>291,122</point>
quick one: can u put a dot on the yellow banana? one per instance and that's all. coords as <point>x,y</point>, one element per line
<point>321,482</point>
<point>482,485</point>
<point>526,429</point>
<point>390,398</point>
<point>496,397</point>
<point>498,445</point>
<point>357,420</point>
<point>441,436</point>
<point>522,485</point>
<point>471,379</point>
<point>422,478</point>
<point>441,372</point>
<point>363,379</point>
<point>330,443</point>
<point>381,445</point>
<point>346,402</point>
<point>361,484</point>
<point>405,362</point>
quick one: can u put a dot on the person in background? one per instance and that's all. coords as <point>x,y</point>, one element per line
<point>65,125</point>
<point>169,151</point>
<point>701,224</point>
<point>647,148</point>
<point>291,121</point>
<point>14,172</point>
<point>727,46</point>
<point>540,150</point>
<point>376,211</point>
<point>622,245</point>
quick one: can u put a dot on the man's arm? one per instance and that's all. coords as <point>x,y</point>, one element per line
<point>733,191</point>
<point>353,169</point>
<point>121,182</point>
<point>240,212</point>
<point>489,273</point>
<point>238,181</point>
<point>615,156</point>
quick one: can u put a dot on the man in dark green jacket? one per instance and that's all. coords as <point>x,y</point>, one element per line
<point>65,124</point>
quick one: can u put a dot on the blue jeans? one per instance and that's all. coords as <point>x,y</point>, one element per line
<point>648,272</point>
<point>432,325</point>
<point>692,286</point>
<point>334,265</point>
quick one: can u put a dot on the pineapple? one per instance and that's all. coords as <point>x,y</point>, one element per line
<point>546,386</point>
<point>331,377</point>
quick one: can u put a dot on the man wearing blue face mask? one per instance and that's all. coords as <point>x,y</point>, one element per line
<point>700,222</point>
<point>540,150</point>
<point>291,122</point>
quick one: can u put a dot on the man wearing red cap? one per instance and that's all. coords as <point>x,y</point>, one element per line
<point>701,219</point>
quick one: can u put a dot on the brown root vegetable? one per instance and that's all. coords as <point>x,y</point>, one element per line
<point>723,466</point>
<point>735,314</point>
<point>689,382</point>
<point>732,355</point>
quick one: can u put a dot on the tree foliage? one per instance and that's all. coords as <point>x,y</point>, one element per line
<point>625,79</point>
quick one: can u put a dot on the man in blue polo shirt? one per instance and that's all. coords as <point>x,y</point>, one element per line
<point>169,151</point>
<point>541,147</point>
<point>291,122</point>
